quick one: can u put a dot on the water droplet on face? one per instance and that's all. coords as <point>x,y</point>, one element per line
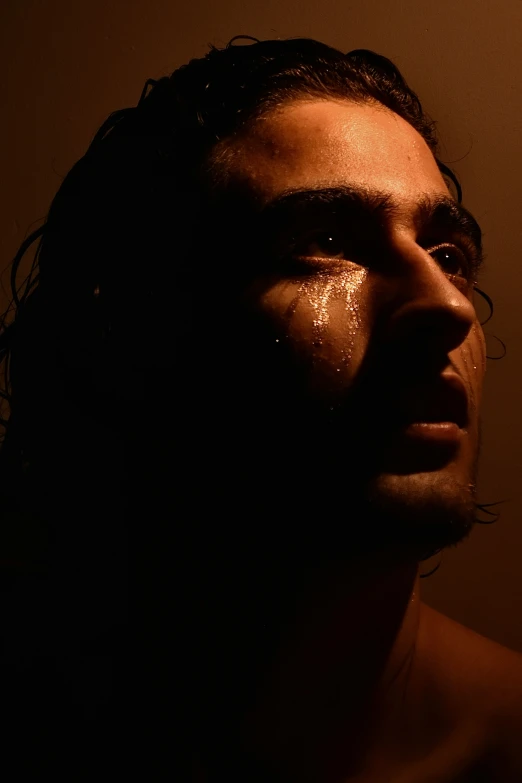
<point>325,286</point>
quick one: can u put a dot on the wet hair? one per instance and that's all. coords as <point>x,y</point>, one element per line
<point>94,336</point>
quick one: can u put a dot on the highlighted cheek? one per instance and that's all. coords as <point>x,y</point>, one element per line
<point>473,355</point>
<point>328,320</point>
<point>325,289</point>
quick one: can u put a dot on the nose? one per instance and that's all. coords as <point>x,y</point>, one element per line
<point>425,307</point>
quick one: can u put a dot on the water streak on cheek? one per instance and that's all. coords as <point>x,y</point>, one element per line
<point>324,288</point>
<point>474,364</point>
<point>469,363</point>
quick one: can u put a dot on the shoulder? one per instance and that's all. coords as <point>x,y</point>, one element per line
<point>485,668</point>
<point>480,681</point>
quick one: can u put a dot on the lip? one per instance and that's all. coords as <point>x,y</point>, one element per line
<point>422,446</point>
<point>443,432</point>
<point>434,410</point>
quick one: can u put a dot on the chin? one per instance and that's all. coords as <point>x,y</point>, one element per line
<point>334,507</point>
<point>415,515</point>
<point>418,513</point>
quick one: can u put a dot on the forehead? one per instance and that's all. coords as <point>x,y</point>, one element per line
<point>334,142</point>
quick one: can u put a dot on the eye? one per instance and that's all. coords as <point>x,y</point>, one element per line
<point>334,245</point>
<point>451,258</point>
<point>321,244</point>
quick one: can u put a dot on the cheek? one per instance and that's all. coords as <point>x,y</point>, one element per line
<point>334,301</point>
<point>473,360</point>
<point>325,326</point>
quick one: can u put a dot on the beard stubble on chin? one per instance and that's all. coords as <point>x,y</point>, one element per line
<point>420,513</point>
<point>413,516</point>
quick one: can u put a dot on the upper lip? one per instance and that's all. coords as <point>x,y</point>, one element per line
<point>442,399</point>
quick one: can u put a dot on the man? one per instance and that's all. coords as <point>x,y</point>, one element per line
<point>331,416</point>
<point>365,287</point>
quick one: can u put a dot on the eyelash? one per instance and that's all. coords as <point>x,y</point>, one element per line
<point>470,263</point>
<point>465,264</point>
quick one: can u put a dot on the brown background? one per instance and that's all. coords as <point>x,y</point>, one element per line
<point>66,65</point>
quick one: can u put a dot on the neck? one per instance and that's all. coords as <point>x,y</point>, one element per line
<point>334,685</point>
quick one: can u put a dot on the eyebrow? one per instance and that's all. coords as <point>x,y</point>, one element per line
<point>438,211</point>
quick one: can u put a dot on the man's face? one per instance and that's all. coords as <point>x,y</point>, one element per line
<point>351,313</point>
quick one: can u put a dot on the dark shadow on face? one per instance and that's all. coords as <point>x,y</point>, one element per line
<point>299,476</point>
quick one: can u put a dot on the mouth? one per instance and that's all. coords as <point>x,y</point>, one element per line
<point>436,407</point>
<point>427,424</point>
<point>437,436</point>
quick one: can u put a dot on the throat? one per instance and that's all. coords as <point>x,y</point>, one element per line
<point>337,682</point>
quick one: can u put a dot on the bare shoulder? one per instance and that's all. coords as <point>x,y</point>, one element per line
<point>490,669</point>
<point>480,681</point>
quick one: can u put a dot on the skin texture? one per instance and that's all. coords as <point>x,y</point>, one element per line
<point>333,517</point>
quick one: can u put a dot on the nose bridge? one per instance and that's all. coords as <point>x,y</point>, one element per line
<point>424,304</point>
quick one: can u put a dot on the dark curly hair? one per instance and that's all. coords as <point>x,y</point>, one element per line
<point>92,321</point>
